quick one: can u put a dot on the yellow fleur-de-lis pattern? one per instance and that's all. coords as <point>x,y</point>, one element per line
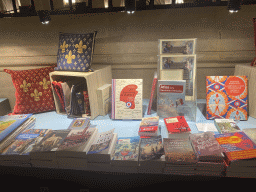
<point>36,95</point>
<point>25,86</point>
<point>74,49</point>
<point>45,83</point>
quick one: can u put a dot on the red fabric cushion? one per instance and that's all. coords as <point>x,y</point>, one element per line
<point>33,90</point>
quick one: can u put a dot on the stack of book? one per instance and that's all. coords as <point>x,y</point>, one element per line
<point>177,127</point>
<point>240,153</point>
<point>126,155</point>
<point>179,156</point>
<point>101,151</point>
<point>209,154</point>
<point>149,127</point>
<point>151,155</point>
<point>10,128</point>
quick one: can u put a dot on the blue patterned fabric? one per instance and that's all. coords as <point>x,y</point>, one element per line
<point>75,52</point>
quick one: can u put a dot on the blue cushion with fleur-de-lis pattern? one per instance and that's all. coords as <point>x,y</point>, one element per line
<point>75,52</point>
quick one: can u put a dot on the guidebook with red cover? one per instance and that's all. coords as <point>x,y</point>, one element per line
<point>176,124</point>
<point>237,146</point>
<point>149,126</point>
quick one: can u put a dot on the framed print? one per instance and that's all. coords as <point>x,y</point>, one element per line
<point>177,46</point>
<point>187,69</point>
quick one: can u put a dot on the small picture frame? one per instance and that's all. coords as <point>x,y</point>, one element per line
<point>187,63</point>
<point>177,46</point>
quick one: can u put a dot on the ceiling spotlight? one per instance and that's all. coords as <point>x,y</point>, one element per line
<point>44,16</point>
<point>234,6</point>
<point>130,6</point>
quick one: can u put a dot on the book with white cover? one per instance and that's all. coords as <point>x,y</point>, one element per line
<point>104,99</point>
<point>102,147</point>
<point>127,99</point>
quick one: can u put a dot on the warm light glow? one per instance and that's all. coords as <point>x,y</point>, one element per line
<point>45,22</point>
<point>106,3</point>
<point>179,1</point>
<point>233,11</point>
<point>130,12</point>
<point>66,2</point>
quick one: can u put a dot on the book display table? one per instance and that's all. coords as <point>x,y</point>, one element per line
<point>127,128</point>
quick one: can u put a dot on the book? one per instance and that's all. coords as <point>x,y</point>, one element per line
<point>179,151</point>
<point>226,125</point>
<point>79,123</point>
<point>10,123</point>
<point>226,97</point>
<point>102,148</point>
<point>44,150</point>
<point>177,127</point>
<point>104,99</point>
<point>126,151</point>
<point>236,146</point>
<point>206,147</point>
<point>127,99</point>
<point>25,142</point>
<point>152,94</point>
<point>79,151</point>
<point>150,149</point>
<point>170,98</point>
<point>75,138</point>
<point>250,132</point>
<point>149,126</point>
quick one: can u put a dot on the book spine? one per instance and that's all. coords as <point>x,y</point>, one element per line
<point>113,98</point>
<point>152,96</point>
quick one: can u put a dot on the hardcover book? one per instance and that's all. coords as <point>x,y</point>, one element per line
<point>126,151</point>
<point>127,99</point>
<point>179,151</point>
<point>10,123</point>
<point>250,132</point>
<point>206,146</point>
<point>237,146</point>
<point>226,97</point>
<point>151,148</point>
<point>170,98</point>
<point>226,125</point>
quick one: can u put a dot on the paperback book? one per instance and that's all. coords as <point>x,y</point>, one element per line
<point>102,147</point>
<point>206,147</point>
<point>126,151</point>
<point>179,151</point>
<point>177,127</point>
<point>79,123</point>
<point>127,99</point>
<point>25,142</point>
<point>170,98</point>
<point>10,123</point>
<point>151,148</point>
<point>149,126</point>
<point>226,125</point>
<point>226,97</point>
<point>237,146</point>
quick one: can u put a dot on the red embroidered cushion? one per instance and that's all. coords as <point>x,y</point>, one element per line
<point>33,90</point>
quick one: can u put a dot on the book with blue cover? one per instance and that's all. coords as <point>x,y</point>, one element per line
<point>126,151</point>
<point>10,123</point>
<point>25,142</point>
<point>170,98</point>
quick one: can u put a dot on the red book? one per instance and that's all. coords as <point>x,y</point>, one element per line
<point>152,93</point>
<point>149,126</point>
<point>176,124</point>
